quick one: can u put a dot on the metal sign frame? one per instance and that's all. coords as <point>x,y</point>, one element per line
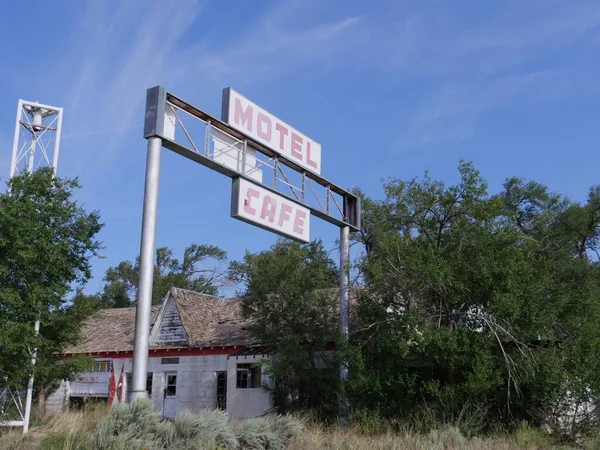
<point>159,102</point>
<point>162,114</point>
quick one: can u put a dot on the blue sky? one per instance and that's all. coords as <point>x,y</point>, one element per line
<point>389,88</point>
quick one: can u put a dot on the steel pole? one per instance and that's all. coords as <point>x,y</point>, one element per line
<point>344,312</point>
<point>36,327</point>
<point>57,140</point>
<point>15,150</point>
<point>29,398</point>
<point>147,250</point>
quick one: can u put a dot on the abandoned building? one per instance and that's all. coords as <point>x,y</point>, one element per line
<point>201,356</point>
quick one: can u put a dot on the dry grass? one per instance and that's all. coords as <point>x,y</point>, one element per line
<point>84,420</point>
<point>74,431</point>
<point>73,428</point>
<point>319,438</point>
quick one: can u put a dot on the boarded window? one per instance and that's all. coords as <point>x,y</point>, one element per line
<point>149,384</point>
<point>102,366</point>
<point>248,376</point>
<point>171,389</point>
<point>169,360</point>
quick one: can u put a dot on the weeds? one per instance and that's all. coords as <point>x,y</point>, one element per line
<point>12,440</point>
<point>67,440</point>
<point>137,427</point>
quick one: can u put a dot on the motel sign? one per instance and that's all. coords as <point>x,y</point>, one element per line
<point>276,185</point>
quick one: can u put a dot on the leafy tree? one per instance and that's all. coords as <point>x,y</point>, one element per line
<point>200,270</point>
<point>477,300</point>
<point>46,243</point>
<point>288,297</point>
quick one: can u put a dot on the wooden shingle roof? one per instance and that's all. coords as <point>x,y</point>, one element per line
<point>109,330</point>
<point>209,321</point>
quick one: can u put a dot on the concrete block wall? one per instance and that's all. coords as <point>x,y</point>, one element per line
<point>196,385</point>
<point>248,402</point>
<point>197,381</point>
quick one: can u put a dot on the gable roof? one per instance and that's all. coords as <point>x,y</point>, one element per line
<point>168,329</point>
<point>108,330</point>
<point>208,321</point>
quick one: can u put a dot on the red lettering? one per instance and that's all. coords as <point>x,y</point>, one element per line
<point>269,207</point>
<point>243,118</point>
<point>283,132</point>
<point>250,194</point>
<point>260,120</point>
<point>296,146</point>
<point>299,222</point>
<point>284,214</point>
<point>308,160</point>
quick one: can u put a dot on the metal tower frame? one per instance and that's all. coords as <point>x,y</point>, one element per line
<point>36,144</point>
<point>33,144</point>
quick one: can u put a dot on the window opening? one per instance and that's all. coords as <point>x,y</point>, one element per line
<point>171,389</point>
<point>222,390</point>
<point>102,366</point>
<point>248,376</point>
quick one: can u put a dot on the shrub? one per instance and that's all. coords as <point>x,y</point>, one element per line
<point>286,427</point>
<point>127,427</point>
<point>207,427</point>
<point>268,433</point>
<point>257,434</point>
<point>165,434</point>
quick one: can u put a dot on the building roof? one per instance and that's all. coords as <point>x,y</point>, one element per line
<point>186,319</point>
<point>208,321</point>
<point>211,321</point>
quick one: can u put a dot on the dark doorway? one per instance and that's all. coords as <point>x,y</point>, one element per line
<point>222,390</point>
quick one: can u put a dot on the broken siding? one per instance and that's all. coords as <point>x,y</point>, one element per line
<point>171,330</point>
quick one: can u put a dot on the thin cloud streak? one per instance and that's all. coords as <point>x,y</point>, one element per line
<point>125,51</point>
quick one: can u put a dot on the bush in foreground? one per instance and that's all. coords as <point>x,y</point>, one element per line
<point>202,429</point>
<point>128,427</point>
<point>137,426</point>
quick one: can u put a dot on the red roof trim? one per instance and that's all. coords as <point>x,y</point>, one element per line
<point>178,351</point>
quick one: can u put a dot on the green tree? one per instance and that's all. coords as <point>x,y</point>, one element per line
<point>288,297</point>
<point>477,300</point>
<point>46,243</point>
<point>202,269</point>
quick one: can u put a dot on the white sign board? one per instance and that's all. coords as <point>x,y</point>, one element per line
<point>230,152</point>
<point>92,384</point>
<point>260,125</point>
<point>259,206</point>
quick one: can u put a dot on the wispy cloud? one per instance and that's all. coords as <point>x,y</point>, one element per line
<point>115,54</point>
<point>516,60</point>
<point>452,112</point>
<point>470,67</point>
<point>273,46</point>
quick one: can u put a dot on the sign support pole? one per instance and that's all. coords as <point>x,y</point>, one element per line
<point>147,250</point>
<point>344,314</point>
